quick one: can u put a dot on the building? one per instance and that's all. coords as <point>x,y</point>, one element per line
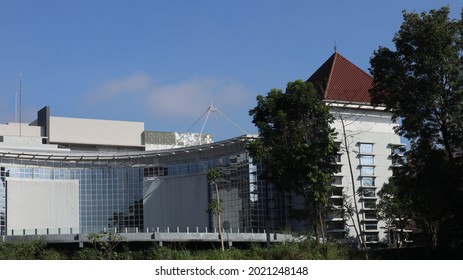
<point>368,148</point>
<point>66,176</point>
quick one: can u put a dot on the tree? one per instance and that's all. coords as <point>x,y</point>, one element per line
<point>105,244</point>
<point>421,83</point>
<point>297,145</point>
<point>213,177</point>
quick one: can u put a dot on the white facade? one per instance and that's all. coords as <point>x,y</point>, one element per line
<point>369,139</point>
<point>40,205</point>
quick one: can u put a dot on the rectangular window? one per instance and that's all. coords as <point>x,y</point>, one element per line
<point>371,237</point>
<point>369,215</point>
<point>337,191</point>
<point>369,192</point>
<point>337,202</point>
<point>366,148</point>
<point>368,181</point>
<point>337,180</point>
<point>367,170</point>
<point>366,160</point>
<point>369,204</point>
<point>371,226</point>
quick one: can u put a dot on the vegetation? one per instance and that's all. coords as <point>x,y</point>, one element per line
<point>309,249</point>
<point>296,145</point>
<point>421,83</point>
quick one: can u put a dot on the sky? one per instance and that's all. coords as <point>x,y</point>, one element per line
<point>165,63</point>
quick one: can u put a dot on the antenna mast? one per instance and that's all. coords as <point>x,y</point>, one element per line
<point>20,104</point>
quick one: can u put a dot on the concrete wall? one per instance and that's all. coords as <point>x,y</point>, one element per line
<point>41,204</point>
<point>365,126</point>
<point>177,201</point>
<point>95,132</point>
<point>13,129</point>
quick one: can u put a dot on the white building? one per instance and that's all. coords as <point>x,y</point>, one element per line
<point>366,136</point>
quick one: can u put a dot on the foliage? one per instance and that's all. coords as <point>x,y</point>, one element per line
<point>28,250</point>
<point>421,83</point>
<point>105,244</point>
<point>296,143</point>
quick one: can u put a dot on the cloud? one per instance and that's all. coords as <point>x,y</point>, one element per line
<point>184,99</point>
<point>138,82</point>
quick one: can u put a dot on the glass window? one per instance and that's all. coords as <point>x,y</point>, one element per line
<point>366,148</point>
<point>371,226</point>
<point>367,170</point>
<point>369,215</point>
<point>337,191</point>
<point>369,204</point>
<point>366,160</point>
<point>337,180</point>
<point>369,192</point>
<point>371,237</point>
<point>368,181</point>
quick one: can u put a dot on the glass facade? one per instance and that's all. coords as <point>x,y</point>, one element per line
<point>111,187</point>
<point>109,198</point>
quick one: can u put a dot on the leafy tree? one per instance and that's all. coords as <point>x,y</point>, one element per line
<point>297,145</point>
<point>421,83</point>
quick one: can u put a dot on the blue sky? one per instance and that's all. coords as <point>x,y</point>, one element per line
<point>162,62</point>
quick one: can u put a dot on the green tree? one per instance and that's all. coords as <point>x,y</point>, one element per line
<point>421,83</point>
<point>297,145</point>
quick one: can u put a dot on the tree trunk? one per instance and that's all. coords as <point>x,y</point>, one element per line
<point>219,223</point>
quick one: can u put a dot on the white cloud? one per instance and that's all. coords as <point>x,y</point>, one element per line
<point>188,98</point>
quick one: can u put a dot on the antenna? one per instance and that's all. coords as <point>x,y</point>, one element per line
<point>335,48</point>
<point>15,105</point>
<point>20,104</point>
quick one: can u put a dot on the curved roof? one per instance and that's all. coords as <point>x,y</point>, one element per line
<point>141,157</point>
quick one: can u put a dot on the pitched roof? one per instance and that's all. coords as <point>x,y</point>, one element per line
<point>338,79</point>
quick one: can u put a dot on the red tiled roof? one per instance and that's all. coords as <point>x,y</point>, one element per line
<point>340,80</point>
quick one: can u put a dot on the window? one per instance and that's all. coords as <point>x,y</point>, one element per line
<point>337,191</point>
<point>369,204</point>
<point>366,148</point>
<point>368,181</point>
<point>371,237</point>
<point>367,170</point>
<point>371,226</point>
<point>369,215</point>
<point>337,202</point>
<point>337,180</point>
<point>366,160</point>
<point>369,192</point>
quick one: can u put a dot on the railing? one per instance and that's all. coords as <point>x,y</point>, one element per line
<point>62,231</point>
